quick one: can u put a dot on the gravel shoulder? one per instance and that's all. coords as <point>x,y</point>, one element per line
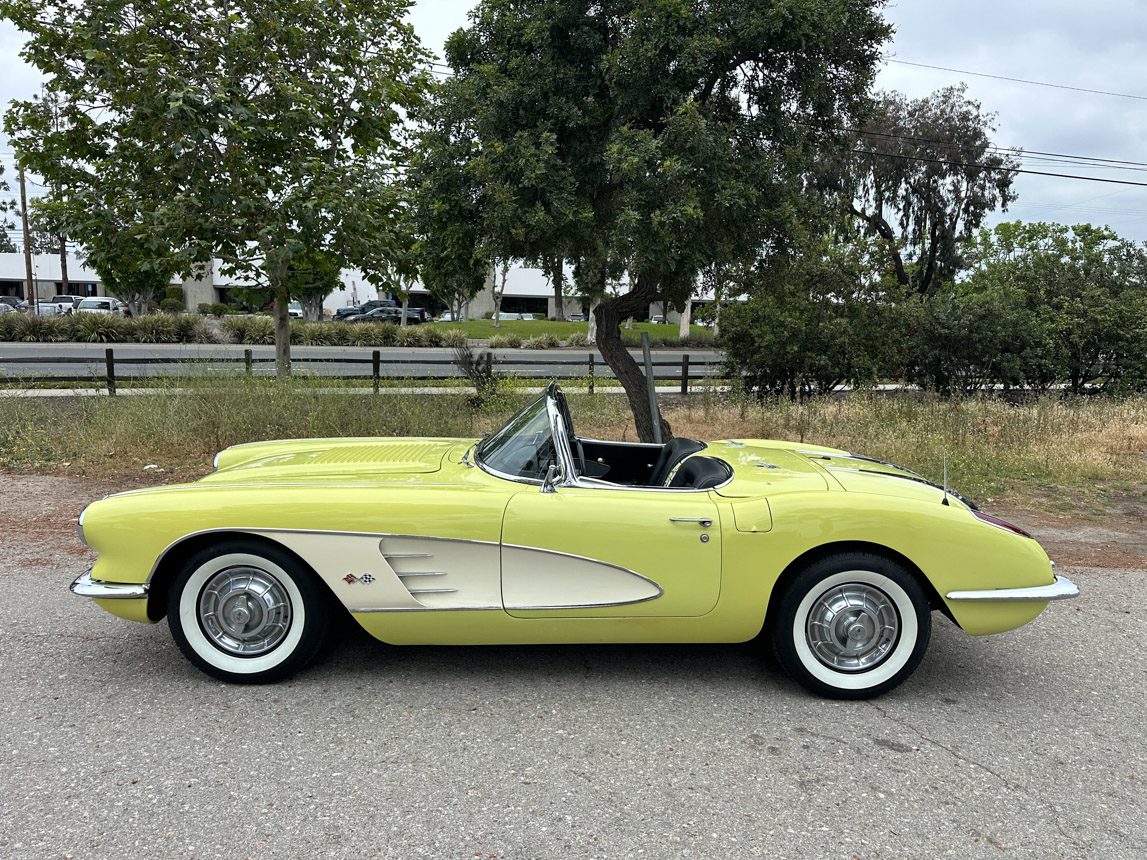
<point>1026,744</point>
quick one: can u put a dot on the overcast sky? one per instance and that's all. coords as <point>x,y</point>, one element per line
<point>1100,46</point>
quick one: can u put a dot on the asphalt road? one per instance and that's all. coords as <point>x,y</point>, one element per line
<point>1027,744</point>
<point>87,359</point>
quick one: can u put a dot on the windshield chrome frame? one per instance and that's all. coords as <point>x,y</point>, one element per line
<point>558,435</point>
<point>564,449</point>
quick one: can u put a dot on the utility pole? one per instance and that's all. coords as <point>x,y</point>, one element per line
<point>30,286</point>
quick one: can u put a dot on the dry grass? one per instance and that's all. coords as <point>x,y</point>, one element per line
<point>1049,454</point>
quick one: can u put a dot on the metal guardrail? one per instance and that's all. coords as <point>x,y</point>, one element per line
<point>689,370</point>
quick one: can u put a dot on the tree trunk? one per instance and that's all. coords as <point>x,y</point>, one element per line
<point>610,314</point>
<point>405,308</point>
<point>499,291</point>
<point>558,281</point>
<point>282,333</point>
<point>66,287</point>
<point>591,337</point>
<point>686,317</point>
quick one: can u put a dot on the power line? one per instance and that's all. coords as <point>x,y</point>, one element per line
<point>1016,80</point>
<point>1004,149</point>
<point>1003,169</point>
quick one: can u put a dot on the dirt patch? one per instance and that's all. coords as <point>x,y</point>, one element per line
<point>1118,540</point>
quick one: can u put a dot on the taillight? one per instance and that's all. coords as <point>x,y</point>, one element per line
<point>999,523</point>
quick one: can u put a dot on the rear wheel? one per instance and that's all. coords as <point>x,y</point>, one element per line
<point>247,613</point>
<point>852,626</point>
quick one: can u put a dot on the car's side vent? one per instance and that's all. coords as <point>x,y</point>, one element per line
<point>417,580</point>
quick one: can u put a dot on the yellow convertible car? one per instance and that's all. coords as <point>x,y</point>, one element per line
<point>537,535</point>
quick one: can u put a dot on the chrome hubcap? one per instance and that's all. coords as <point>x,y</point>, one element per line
<point>852,627</point>
<point>244,611</point>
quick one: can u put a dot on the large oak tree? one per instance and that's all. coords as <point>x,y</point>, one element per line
<point>658,137</point>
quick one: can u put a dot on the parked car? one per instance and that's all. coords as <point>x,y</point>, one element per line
<point>6,308</point>
<point>124,310</point>
<point>501,316</point>
<point>47,309</point>
<point>295,310</point>
<point>14,302</point>
<point>98,306</point>
<point>576,318</point>
<point>387,315</point>
<point>447,316</point>
<point>657,319</point>
<point>534,534</point>
<point>66,304</point>
<point>348,311</point>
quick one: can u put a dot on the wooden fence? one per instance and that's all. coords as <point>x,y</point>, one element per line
<point>591,368</point>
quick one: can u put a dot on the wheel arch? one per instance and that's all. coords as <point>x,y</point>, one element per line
<point>176,554</point>
<point>811,556</point>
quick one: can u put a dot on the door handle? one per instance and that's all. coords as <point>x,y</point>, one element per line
<point>704,522</point>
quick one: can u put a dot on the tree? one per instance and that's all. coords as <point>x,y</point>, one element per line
<point>658,138</point>
<point>1080,306</point>
<point>131,270</point>
<point>253,132</point>
<point>813,321</point>
<point>921,177</point>
<point>446,209</point>
<point>8,205</point>
<point>311,277</point>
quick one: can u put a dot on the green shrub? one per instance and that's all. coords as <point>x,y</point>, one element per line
<point>318,334</point>
<point>188,328</point>
<point>411,336</point>
<point>9,325</point>
<point>37,329</point>
<point>217,309</point>
<point>155,328</point>
<point>371,334</point>
<point>578,338</point>
<point>171,305</point>
<point>452,336</point>
<point>250,329</point>
<point>541,341</point>
<point>99,328</point>
<point>173,292</point>
<point>505,341</point>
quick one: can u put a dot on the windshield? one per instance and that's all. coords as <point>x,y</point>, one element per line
<point>93,303</point>
<point>524,447</point>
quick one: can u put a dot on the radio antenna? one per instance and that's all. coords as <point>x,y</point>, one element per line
<point>944,501</point>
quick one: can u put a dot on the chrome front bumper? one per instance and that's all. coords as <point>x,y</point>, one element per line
<point>85,586</point>
<point>1062,589</point>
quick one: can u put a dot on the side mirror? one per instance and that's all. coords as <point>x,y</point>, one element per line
<point>550,483</point>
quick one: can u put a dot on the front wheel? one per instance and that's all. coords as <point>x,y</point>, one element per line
<point>247,613</point>
<point>852,626</point>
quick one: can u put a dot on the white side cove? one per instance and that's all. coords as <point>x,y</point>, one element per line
<point>404,573</point>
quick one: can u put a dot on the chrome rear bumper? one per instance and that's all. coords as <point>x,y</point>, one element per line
<point>1062,589</point>
<point>85,586</point>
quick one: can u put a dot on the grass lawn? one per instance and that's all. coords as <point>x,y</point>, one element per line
<point>484,329</point>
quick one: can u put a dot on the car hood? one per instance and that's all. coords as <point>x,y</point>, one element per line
<point>324,460</point>
<point>765,467</point>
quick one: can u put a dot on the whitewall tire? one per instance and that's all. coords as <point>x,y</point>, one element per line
<point>246,612</point>
<point>852,626</point>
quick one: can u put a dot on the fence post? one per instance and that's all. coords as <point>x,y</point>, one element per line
<point>685,373</point>
<point>489,364</point>
<point>375,369</point>
<point>109,360</point>
<point>591,373</point>
<point>247,361</point>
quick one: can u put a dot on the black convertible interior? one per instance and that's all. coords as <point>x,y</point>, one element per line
<point>674,464</point>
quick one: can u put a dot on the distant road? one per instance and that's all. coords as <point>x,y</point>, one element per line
<point>87,359</point>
